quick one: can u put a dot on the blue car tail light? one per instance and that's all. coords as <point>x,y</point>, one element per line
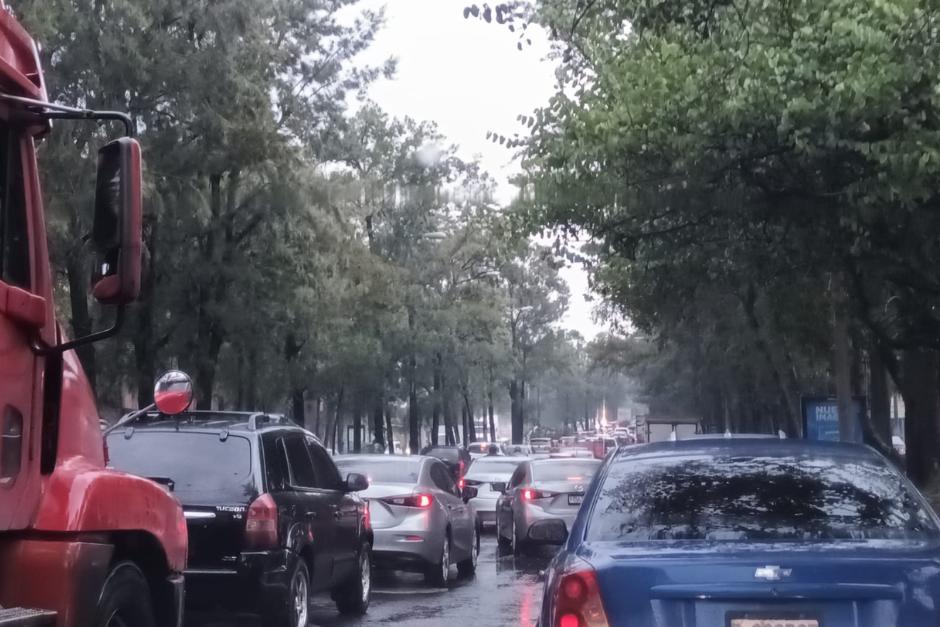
<point>577,598</point>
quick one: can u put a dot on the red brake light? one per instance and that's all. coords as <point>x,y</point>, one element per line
<point>534,495</point>
<point>578,598</point>
<point>461,484</point>
<point>261,525</point>
<point>417,500</point>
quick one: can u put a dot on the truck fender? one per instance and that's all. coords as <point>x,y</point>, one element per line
<point>82,497</point>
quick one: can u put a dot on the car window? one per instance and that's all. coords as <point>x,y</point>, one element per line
<point>327,476</point>
<point>756,498</point>
<point>491,465</point>
<point>575,470</point>
<point>442,479</point>
<point>298,459</point>
<point>517,476</point>
<point>276,472</point>
<point>392,469</point>
<point>204,469</point>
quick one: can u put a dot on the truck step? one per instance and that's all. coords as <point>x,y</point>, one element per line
<point>20,617</point>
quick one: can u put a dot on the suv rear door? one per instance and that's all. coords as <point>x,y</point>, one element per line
<point>316,511</point>
<point>211,473</point>
<point>346,509</point>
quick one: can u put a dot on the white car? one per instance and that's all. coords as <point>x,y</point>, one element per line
<point>489,476</point>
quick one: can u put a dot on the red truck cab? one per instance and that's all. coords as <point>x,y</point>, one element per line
<point>81,545</point>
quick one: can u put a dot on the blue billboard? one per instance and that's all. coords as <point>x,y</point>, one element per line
<point>821,419</point>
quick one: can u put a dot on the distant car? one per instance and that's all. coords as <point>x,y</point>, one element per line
<point>540,445</point>
<point>419,518</point>
<point>746,533</point>
<point>489,477</point>
<point>478,449</point>
<point>517,450</point>
<point>898,443</point>
<point>540,490</point>
<point>270,519</point>
<point>456,458</point>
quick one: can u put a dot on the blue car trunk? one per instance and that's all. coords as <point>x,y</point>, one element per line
<point>699,584</point>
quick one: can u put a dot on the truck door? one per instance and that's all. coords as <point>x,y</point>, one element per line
<point>22,314</point>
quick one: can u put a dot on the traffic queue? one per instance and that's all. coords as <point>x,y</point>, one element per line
<point>273,518</point>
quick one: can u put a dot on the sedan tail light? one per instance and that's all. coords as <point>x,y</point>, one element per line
<point>412,500</point>
<point>261,524</point>
<point>533,495</point>
<point>578,598</point>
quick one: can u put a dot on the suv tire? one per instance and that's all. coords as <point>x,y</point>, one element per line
<point>125,598</point>
<point>352,598</point>
<point>295,612</point>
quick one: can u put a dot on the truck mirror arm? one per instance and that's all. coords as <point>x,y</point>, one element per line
<point>42,349</point>
<point>54,111</point>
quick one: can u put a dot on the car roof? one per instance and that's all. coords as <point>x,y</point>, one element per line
<point>213,422</point>
<point>501,458</point>
<point>381,458</point>
<point>761,447</point>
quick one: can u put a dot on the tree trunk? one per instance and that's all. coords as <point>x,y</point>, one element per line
<point>516,416</point>
<point>337,419</point>
<point>436,406</point>
<point>357,425</point>
<point>378,420</point>
<point>388,430</point>
<point>414,423</point>
<point>205,370</point>
<point>490,414</point>
<point>298,409</point>
<point>922,405</point>
<point>842,359</point>
<point>471,428</point>
<point>463,423</point>
<point>879,399</point>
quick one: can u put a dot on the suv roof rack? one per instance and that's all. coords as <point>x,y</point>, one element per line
<point>258,418</point>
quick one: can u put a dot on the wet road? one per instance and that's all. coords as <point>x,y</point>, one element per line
<point>505,591</point>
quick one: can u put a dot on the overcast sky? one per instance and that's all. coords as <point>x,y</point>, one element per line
<point>469,77</point>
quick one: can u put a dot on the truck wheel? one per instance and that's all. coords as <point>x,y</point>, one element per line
<point>352,598</point>
<point>125,599</point>
<point>296,608</point>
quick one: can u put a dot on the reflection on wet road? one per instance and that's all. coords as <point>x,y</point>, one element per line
<point>505,591</point>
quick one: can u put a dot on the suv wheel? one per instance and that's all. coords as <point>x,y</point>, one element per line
<point>296,609</point>
<point>467,567</point>
<point>438,573</point>
<point>353,596</point>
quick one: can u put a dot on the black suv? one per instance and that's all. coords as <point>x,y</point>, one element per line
<point>270,519</point>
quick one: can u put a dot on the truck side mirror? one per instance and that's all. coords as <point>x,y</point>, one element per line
<point>116,233</point>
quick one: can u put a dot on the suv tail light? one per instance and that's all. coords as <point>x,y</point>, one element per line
<point>261,525</point>
<point>418,500</point>
<point>578,598</point>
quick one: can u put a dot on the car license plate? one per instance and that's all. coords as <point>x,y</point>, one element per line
<point>774,622</point>
<point>575,499</point>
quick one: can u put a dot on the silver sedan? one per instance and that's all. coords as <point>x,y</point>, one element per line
<point>538,490</point>
<point>419,518</point>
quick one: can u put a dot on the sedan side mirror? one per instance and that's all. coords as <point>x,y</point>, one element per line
<point>356,482</point>
<point>500,486</point>
<point>116,233</point>
<point>548,531</point>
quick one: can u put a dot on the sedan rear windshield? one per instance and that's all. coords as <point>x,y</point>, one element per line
<point>204,469</point>
<point>396,470</point>
<point>494,466</point>
<point>574,471</point>
<point>756,498</point>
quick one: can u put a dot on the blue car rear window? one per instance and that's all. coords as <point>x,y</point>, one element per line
<point>755,498</point>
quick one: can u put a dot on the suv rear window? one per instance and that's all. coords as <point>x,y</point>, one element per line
<point>756,498</point>
<point>205,470</point>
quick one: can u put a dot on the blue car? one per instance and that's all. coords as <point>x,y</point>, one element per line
<point>746,533</point>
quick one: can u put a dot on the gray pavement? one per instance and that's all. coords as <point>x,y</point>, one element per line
<point>506,590</point>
